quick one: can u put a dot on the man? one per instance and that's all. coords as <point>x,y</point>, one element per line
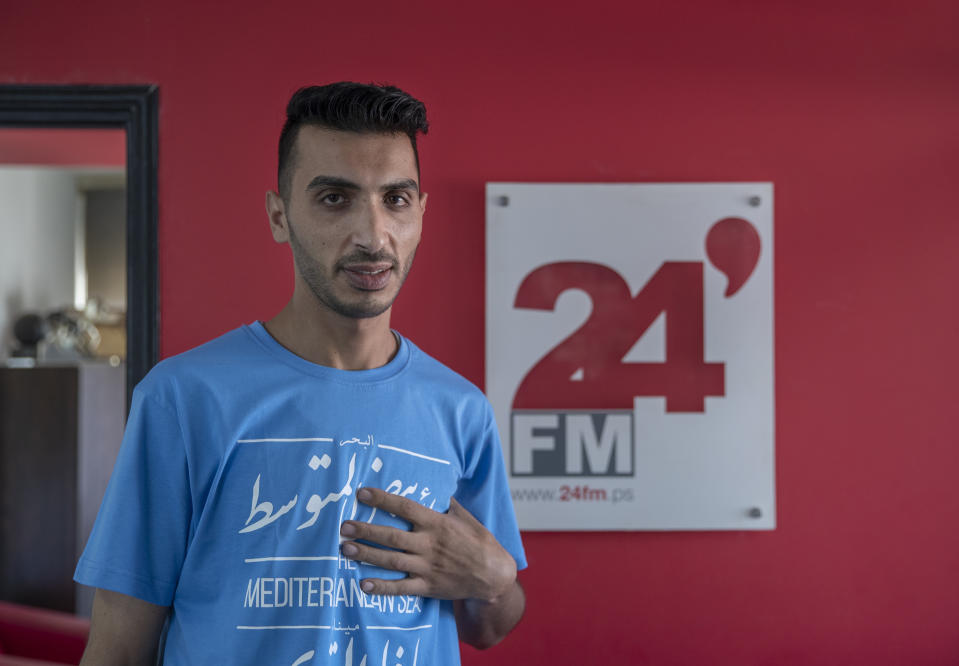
<point>303,491</point>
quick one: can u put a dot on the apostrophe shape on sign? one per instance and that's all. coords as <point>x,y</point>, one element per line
<point>733,247</point>
<point>334,646</point>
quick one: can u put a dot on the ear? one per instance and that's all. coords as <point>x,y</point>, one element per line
<point>276,211</point>
<point>423,196</point>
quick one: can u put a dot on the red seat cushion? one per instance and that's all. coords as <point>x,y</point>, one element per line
<point>41,634</point>
<point>10,660</point>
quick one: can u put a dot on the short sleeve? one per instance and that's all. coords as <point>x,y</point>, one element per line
<point>139,540</point>
<point>484,491</point>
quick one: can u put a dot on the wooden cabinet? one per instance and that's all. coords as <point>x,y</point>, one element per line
<point>60,430</point>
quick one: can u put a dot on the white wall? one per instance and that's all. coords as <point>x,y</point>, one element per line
<point>37,213</point>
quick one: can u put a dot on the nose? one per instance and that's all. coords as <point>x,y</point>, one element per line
<point>371,230</point>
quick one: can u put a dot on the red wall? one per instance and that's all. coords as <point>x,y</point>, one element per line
<point>850,108</point>
<point>63,147</point>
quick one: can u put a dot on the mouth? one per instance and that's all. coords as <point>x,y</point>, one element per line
<point>369,277</point>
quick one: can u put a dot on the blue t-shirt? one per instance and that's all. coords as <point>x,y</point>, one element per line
<point>239,463</point>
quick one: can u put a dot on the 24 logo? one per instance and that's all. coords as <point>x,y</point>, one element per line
<point>571,413</point>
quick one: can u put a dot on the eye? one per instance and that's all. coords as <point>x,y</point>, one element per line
<point>333,199</point>
<point>397,200</point>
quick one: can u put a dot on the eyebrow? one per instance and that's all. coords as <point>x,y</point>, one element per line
<point>343,183</point>
<point>331,181</point>
<point>403,184</point>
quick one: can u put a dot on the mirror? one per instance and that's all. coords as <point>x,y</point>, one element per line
<point>82,226</point>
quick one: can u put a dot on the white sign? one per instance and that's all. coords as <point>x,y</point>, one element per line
<point>629,353</point>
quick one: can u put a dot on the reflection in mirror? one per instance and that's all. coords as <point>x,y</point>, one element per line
<point>63,305</point>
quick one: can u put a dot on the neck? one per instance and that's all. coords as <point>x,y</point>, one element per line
<point>333,340</point>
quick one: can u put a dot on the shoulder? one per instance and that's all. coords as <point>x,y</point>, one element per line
<point>211,362</point>
<point>446,386</point>
<point>430,369</point>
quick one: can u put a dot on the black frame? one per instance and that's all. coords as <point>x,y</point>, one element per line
<point>134,109</point>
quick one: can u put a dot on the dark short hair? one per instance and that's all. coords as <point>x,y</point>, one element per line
<point>349,107</point>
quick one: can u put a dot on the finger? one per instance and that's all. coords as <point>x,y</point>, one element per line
<point>411,585</point>
<point>400,506</point>
<point>384,535</point>
<point>394,560</point>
